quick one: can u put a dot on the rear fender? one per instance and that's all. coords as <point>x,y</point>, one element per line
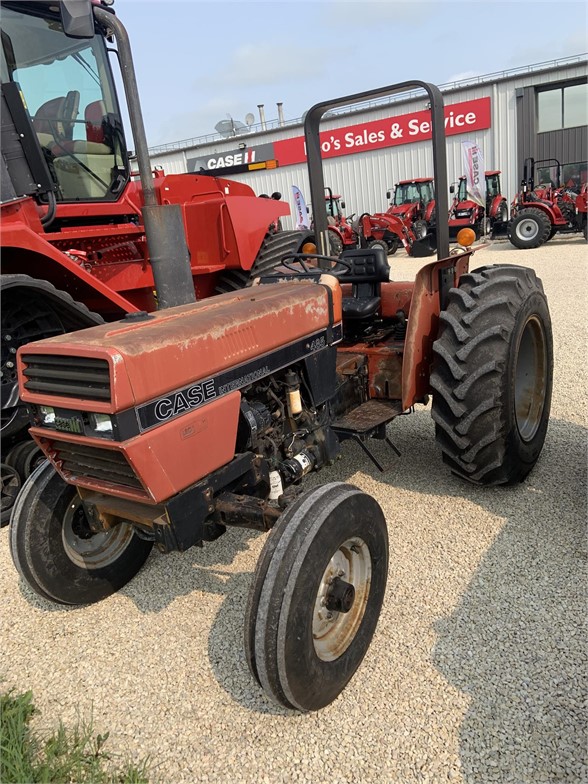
<point>423,325</point>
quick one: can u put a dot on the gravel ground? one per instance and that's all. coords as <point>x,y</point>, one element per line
<point>477,672</point>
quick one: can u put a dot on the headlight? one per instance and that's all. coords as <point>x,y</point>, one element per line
<point>101,423</point>
<point>47,414</point>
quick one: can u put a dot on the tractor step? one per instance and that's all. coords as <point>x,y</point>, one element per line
<point>367,417</point>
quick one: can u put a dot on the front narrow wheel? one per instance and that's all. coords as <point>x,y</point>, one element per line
<point>317,595</point>
<point>56,552</point>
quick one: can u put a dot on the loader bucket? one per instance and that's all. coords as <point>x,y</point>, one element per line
<point>425,246</point>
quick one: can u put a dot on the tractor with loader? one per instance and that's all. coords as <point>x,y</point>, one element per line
<point>167,428</point>
<point>379,230</point>
<point>414,202</point>
<point>547,204</point>
<point>74,219</point>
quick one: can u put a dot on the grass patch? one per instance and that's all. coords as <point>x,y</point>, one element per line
<point>67,756</point>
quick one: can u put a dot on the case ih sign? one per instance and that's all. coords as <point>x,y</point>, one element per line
<point>403,129</point>
<point>414,127</point>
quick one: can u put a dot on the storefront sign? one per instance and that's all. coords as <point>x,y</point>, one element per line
<point>462,117</point>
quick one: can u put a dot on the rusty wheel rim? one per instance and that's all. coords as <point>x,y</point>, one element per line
<point>530,379</point>
<point>90,550</point>
<point>332,631</point>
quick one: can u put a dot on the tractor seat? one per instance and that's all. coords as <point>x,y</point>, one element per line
<point>368,269</point>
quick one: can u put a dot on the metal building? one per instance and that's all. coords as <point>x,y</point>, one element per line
<point>539,111</point>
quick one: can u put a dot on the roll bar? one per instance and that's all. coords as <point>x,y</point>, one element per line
<point>315,163</point>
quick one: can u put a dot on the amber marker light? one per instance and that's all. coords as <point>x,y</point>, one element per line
<point>466,237</point>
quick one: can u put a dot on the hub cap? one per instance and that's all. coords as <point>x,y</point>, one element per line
<point>333,631</point>
<point>90,550</point>
<point>527,229</point>
<point>530,379</point>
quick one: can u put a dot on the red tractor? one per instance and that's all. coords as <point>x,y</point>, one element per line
<point>414,203</point>
<point>75,225</point>
<point>165,429</point>
<point>380,230</point>
<point>343,233</point>
<point>388,231</point>
<point>464,212</point>
<point>547,205</point>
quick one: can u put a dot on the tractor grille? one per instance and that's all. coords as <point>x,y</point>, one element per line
<point>104,465</point>
<point>66,376</point>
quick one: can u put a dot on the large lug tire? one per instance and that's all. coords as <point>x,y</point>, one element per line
<point>316,596</point>
<point>56,553</point>
<point>335,244</point>
<point>529,229</point>
<point>31,310</point>
<point>393,245</point>
<point>379,244</point>
<point>492,375</point>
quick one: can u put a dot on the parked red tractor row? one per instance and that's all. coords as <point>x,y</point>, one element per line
<point>555,204</point>
<point>382,230</point>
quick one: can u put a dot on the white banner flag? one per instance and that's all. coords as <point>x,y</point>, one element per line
<point>473,160</point>
<point>301,211</point>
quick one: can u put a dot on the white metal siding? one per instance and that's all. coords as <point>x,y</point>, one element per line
<point>363,178</point>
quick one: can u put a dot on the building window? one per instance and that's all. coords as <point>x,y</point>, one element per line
<point>564,107</point>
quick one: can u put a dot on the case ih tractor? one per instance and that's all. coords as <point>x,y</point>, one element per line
<point>547,207</point>
<point>414,203</point>
<point>343,234</point>
<point>74,222</point>
<point>167,428</point>
<point>491,219</point>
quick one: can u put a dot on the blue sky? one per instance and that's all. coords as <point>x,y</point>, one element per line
<point>198,61</point>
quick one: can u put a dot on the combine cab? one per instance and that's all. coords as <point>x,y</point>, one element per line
<point>74,222</point>
<point>552,200</point>
<point>465,213</point>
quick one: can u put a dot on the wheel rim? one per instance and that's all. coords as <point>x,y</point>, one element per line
<point>530,378</point>
<point>87,549</point>
<point>527,229</point>
<point>332,631</point>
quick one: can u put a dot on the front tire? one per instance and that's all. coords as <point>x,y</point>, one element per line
<point>57,554</point>
<point>529,229</point>
<point>316,596</point>
<point>379,244</point>
<point>492,375</point>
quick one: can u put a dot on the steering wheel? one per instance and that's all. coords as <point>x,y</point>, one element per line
<point>301,259</point>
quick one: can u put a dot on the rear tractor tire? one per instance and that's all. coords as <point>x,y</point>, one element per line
<point>492,375</point>
<point>58,555</point>
<point>316,596</point>
<point>531,228</point>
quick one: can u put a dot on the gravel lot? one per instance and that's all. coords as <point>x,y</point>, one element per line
<point>477,672</point>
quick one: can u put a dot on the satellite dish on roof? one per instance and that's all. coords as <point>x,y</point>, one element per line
<point>230,127</point>
<point>249,119</point>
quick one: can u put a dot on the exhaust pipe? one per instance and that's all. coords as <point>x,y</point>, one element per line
<point>262,116</point>
<point>281,120</point>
